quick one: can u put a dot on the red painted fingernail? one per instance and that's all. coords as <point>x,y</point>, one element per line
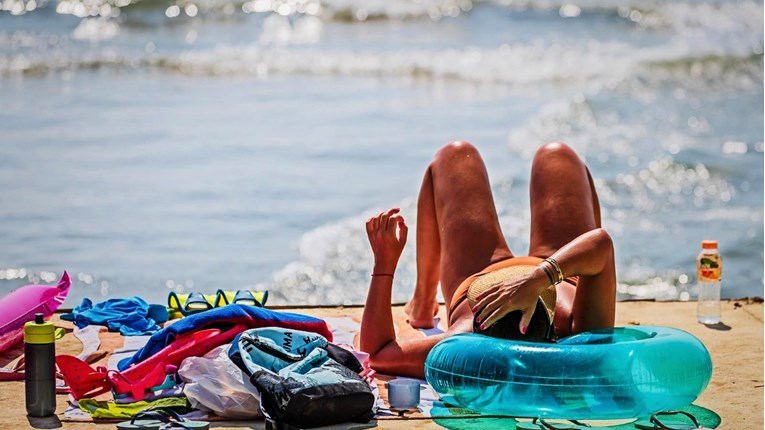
<point>483,326</point>
<point>478,297</point>
<point>523,329</point>
<point>478,319</point>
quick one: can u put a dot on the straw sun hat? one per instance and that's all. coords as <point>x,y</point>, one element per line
<point>540,328</point>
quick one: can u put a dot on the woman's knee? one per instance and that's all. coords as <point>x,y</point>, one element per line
<point>456,148</point>
<point>603,239</point>
<point>454,152</point>
<point>555,149</point>
<point>555,153</point>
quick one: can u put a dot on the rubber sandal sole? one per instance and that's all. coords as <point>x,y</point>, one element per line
<point>140,425</point>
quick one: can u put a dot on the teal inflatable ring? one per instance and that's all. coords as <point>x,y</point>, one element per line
<point>624,372</point>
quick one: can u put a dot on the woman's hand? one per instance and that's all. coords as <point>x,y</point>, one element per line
<point>387,236</point>
<point>495,302</point>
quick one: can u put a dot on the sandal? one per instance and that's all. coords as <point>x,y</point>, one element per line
<point>139,422</point>
<point>194,303</point>
<point>246,297</point>
<point>161,417</point>
<point>241,297</point>
<point>656,424</point>
<point>541,424</point>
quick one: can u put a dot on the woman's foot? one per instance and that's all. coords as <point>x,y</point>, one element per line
<point>421,316</point>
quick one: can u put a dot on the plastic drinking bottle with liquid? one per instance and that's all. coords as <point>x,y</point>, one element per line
<point>40,365</point>
<point>709,275</point>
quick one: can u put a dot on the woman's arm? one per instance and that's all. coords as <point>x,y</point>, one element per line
<point>387,235</point>
<point>590,256</point>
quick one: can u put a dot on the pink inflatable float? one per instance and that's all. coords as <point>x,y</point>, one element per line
<point>21,305</point>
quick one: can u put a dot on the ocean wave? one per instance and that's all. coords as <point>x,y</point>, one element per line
<point>505,65</point>
<point>680,16</point>
<point>710,71</point>
<point>337,10</point>
<point>289,46</point>
<point>335,263</point>
<point>745,17</point>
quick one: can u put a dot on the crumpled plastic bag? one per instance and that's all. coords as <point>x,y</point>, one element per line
<point>215,383</point>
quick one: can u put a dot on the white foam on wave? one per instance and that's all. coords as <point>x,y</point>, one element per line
<point>680,16</point>
<point>704,36</point>
<point>95,29</point>
<point>395,9</point>
<point>596,64</point>
<point>743,16</point>
<point>505,64</point>
<point>731,18</point>
<point>335,264</point>
<point>326,9</point>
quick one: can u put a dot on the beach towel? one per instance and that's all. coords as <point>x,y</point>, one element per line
<point>131,316</point>
<point>224,318</point>
<point>101,409</point>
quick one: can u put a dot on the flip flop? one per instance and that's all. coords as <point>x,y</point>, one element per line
<point>669,424</point>
<point>169,419</point>
<point>246,297</point>
<point>541,424</point>
<point>242,297</point>
<point>142,424</point>
<point>11,375</point>
<point>189,304</point>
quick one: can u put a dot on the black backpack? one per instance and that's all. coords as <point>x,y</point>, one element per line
<point>303,380</point>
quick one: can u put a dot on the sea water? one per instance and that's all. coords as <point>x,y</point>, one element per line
<point>194,145</point>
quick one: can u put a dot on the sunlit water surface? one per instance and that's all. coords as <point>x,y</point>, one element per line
<point>194,145</point>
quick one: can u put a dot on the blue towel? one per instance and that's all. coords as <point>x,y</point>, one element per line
<point>223,317</point>
<point>130,317</point>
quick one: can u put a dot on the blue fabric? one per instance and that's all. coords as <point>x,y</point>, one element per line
<point>292,346</point>
<point>130,316</point>
<point>225,316</point>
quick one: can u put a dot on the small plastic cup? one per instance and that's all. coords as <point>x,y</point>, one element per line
<point>404,393</point>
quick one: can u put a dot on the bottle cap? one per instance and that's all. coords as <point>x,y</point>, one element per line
<point>39,333</point>
<point>709,244</point>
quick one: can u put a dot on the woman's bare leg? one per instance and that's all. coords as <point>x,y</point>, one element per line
<point>458,230</point>
<point>423,306</point>
<point>564,205</point>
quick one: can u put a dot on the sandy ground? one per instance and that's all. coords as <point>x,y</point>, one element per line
<point>735,392</point>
